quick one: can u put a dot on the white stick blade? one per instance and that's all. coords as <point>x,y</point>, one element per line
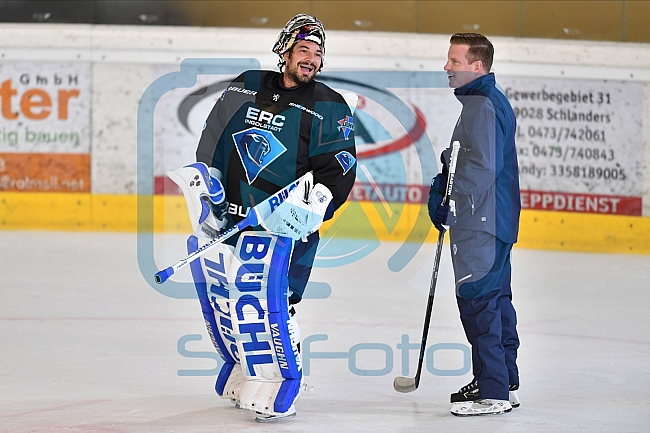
<point>351,99</point>
<point>404,384</point>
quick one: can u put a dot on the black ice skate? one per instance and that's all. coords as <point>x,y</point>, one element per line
<point>470,393</point>
<point>467,393</point>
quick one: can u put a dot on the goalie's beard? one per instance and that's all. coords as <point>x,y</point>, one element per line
<point>292,70</point>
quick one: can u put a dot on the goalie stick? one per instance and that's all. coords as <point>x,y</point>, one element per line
<point>409,384</point>
<point>351,99</point>
<point>253,217</point>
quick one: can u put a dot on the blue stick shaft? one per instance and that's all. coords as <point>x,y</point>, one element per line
<point>162,276</point>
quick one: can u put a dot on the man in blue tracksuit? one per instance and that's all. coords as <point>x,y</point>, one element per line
<point>484,227</point>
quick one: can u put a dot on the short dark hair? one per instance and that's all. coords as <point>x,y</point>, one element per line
<point>480,48</point>
<point>282,63</point>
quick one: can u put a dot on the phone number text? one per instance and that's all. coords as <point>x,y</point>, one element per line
<point>562,134</point>
<point>568,152</point>
<point>587,172</point>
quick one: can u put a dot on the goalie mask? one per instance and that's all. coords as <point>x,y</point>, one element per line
<point>302,27</point>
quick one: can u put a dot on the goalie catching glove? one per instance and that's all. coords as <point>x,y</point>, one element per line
<point>205,197</point>
<point>302,212</point>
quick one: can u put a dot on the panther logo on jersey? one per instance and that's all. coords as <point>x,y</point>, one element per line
<point>257,149</point>
<point>346,160</point>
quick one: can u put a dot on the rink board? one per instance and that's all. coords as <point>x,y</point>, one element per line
<point>568,231</point>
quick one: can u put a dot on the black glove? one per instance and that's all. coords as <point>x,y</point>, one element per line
<point>438,213</point>
<point>440,217</point>
<point>436,193</point>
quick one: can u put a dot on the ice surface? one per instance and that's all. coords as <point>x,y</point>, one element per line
<point>88,346</point>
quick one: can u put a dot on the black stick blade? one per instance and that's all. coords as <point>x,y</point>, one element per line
<point>404,384</point>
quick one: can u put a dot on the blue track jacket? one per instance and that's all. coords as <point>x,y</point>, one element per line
<point>486,184</point>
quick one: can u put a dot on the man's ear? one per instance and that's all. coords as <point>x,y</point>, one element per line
<point>285,56</point>
<point>478,67</point>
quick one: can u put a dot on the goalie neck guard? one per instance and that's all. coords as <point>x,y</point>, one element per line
<point>301,27</point>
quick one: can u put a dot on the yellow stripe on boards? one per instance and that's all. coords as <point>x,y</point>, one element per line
<point>566,231</point>
<point>45,211</point>
<point>569,231</point>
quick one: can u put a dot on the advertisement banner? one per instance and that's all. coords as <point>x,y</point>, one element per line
<point>579,143</point>
<point>390,168</point>
<point>578,140</point>
<point>45,126</point>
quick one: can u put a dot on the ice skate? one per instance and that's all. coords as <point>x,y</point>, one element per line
<point>467,393</point>
<point>513,397</point>
<point>470,393</point>
<point>484,406</point>
<point>277,417</point>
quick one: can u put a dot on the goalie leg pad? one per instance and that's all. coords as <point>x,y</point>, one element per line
<point>210,274</point>
<point>230,381</point>
<point>266,340</point>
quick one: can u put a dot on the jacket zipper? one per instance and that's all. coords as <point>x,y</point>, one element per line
<point>471,201</point>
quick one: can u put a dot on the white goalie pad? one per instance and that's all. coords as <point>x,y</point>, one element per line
<point>244,297</point>
<point>210,274</point>
<point>233,386</point>
<point>267,342</point>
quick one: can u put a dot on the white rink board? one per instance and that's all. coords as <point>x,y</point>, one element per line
<point>125,60</point>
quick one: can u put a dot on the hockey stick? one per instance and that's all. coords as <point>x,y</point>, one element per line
<point>351,99</point>
<point>408,384</point>
<point>253,218</point>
